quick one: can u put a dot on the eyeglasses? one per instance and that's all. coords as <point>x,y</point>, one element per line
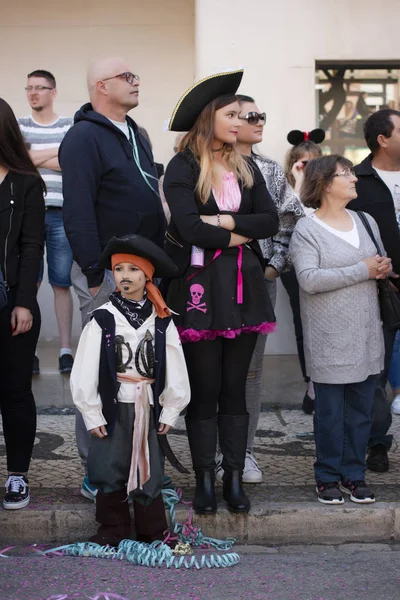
<point>345,173</point>
<point>130,77</point>
<point>37,88</point>
<point>254,117</point>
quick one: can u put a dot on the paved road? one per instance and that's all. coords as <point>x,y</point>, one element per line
<point>356,572</point>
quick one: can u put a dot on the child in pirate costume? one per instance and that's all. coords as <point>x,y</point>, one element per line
<point>128,365</point>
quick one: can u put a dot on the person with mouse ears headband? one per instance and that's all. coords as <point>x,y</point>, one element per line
<point>305,148</point>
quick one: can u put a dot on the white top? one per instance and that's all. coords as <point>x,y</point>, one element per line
<point>122,125</point>
<point>352,236</point>
<point>85,372</point>
<point>392,180</point>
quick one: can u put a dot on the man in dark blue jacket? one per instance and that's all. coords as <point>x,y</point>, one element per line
<point>378,189</point>
<point>110,188</point>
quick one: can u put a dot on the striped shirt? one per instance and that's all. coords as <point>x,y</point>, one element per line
<point>42,137</point>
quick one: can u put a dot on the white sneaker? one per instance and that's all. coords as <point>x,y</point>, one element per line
<point>251,472</point>
<point>396,405</point>
<point>219,472</point>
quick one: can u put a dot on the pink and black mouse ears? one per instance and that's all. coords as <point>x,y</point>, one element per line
<point>296,136</point>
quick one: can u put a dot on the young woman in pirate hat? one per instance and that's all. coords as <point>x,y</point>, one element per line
<point>130,383</point>
<point>219,207</point>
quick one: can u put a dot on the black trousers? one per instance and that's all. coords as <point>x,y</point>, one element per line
<point>17,403</point>
<point>218,373</point>
<point>291,285</point>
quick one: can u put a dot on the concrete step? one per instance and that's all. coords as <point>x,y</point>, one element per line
<point>268,523</point>
<point>282,384</point>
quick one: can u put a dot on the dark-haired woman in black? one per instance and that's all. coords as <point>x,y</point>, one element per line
<point>21,250</point>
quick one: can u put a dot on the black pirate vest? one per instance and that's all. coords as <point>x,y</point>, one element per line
<point>108,385</point>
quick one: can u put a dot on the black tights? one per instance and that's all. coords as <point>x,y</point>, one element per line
<point>218,372</point>
<point>16,399</point>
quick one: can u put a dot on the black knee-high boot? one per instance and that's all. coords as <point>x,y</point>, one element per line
<point>202,437</point>
<point>112,512</point>
<point>233,440</point>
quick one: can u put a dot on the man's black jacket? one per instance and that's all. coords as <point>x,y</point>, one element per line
<point>375,198</point>
<point>104,192</point>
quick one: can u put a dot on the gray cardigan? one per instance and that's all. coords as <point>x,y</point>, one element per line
<point>343,339</point>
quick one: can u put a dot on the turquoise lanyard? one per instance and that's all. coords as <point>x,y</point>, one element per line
<point>139,166</point>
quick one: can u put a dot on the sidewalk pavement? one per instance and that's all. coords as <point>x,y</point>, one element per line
<point>284,507</point>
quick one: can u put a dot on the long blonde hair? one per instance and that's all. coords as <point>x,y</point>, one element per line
<point>199,140</point>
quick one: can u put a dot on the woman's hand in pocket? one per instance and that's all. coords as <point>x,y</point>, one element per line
<point>270,273</point>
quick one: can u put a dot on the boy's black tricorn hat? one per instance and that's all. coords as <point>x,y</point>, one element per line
<point>199,95</point>
<point>140,246</point>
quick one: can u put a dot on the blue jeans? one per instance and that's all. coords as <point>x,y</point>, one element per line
<point>58,250</point>
<point>394,371</point>
<point>342,423</point>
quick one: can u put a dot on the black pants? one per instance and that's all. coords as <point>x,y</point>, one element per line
<point>217,373</point>
<point>381,413</point>
<point>291,285</point>
<point>17,403</point>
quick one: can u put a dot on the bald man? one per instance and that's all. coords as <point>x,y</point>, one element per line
<point>110,187</point>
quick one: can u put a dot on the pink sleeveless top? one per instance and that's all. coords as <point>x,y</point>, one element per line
<point>228,197</point>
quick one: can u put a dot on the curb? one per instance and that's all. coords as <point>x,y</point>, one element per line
<point>266,524</point>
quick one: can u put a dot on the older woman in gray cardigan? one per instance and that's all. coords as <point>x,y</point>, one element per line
<point>337,267</point>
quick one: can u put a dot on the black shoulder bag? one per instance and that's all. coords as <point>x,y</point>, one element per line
<point>389,300</point>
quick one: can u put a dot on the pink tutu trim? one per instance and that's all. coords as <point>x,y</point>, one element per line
<point>194,335</point>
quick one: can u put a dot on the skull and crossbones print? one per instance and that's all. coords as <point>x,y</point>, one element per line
<point>196,293</point>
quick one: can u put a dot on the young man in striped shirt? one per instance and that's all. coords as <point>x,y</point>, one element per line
<point>43,132</point>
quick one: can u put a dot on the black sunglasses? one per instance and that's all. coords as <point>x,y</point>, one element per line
<point>254,117</point>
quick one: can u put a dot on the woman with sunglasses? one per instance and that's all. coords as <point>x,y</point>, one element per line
<point>275,251</point>
<point>21,251</point>
<point>337,267</point>
<point>219,208</point>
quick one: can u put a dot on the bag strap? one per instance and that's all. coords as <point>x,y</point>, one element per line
<point>368,227</point>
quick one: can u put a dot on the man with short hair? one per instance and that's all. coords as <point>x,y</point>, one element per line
<point>110,188</point>
<point>43,131</point>
<point>378,189</point>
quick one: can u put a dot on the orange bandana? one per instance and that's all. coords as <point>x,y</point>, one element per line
<point>153,293</point>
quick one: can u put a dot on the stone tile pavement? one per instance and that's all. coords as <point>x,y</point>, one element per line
<point>284,448</point>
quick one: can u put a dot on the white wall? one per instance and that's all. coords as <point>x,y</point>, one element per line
<point>156,36</point>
